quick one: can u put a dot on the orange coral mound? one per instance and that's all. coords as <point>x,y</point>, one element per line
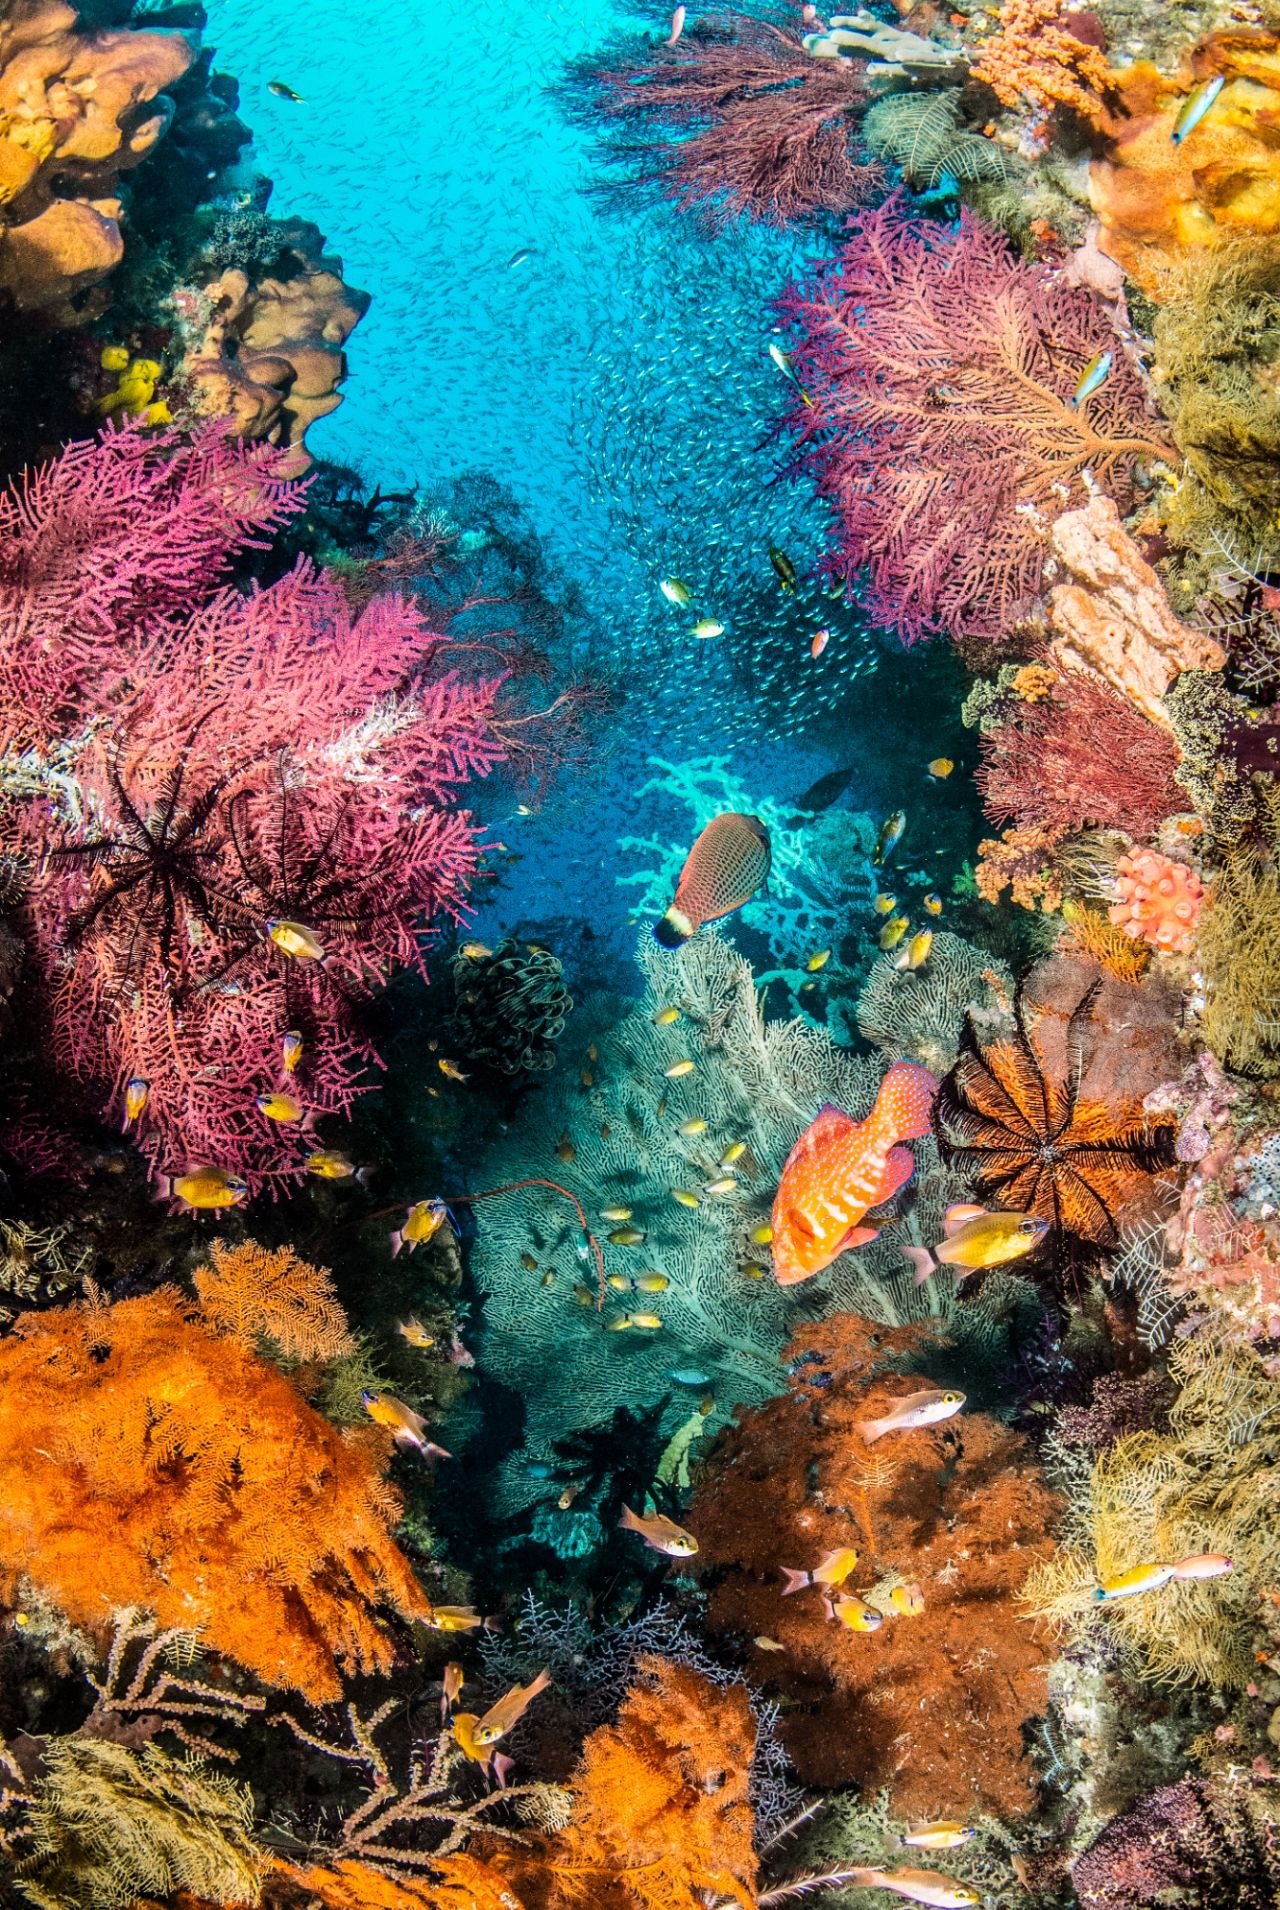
<point>1158,900</point>
<point>251,1292</point>
<point>1156,200</point>
<point>1034,57</point>
<point>932,1705</point>
<point>662,1815</point>
<point>460,1882</point>
<point>144,1462</point>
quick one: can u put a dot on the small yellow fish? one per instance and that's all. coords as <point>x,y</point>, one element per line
<point>1141,1578</point>
<point>627,1237</point>
<point>282,91</point>
<point>528,1262</point>
<point>917,951</point>
<point>567,1497</point>
<point>593,1053</point>
<point>476,951</point>
<point>909,1600</point>
<point>892,932</point>
<point>406,1427</point>
<point>831,1570</point>
<point>137,1093</point>
<point>291,1046</point>
<point>727,1184</point>
<point>660,1532</point>
<point>413,1330</point>
<point>619,1282</point>
<point>754,1271</point>
<point>284,1108</point>
<point>205,1187</point>
<point>500,1718</point>
<point>925,1408</point>
<point>450,1070</point>
<point>852,1613</point>
<point>695,1126</point>
<point>584,1296</point>
<point>974,1239</point>
<point>676,592</point>
<point>615,1213</point>
<point>421,1224</point>
<point>678,1070</point>
<point>549,1278</point>
<point>926,1887</point>
<point>706,629</point>
<point>328,1165</point>
<point>762,1235</point>
<point>767,1644</point>
<point>566,1151</point>
<point>733,1153</point>
<point>685,1197</point>
<point>296,940</point>
<point>666,1016</point>
<point>587,1079</point>
<point>1095,374</point>
<point>940,768</point>
<point>885,904</point>
<point>946,1834</point>
<point>621,1325</point>
<point>649,1321</point>
<point>652,1283</point>
<point>818,960</point>
<point>1193,111</point>
<point>932,904</point>
<point>454,1618</point>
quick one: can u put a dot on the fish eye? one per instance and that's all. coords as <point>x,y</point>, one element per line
<point>952,1399</point>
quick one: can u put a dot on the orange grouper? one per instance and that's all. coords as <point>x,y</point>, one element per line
<point>841,1168</point>
<point>727,864</point>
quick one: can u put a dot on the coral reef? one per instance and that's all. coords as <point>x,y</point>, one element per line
<point>76,110</point>
<point>1035,56</point>
<point>185,765</point>
<point>936,467</point>
<point>510,1007</point>
<point>918,1014</point>
<point>149,1463</point>
<point>733,120</point>
<point>1113,618</point>
<point>958,1509</point>
<point>1158,900</point>
<point>1200,1842</point>
<point>1237,952</point>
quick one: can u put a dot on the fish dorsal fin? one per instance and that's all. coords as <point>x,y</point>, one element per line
<point>959,1216</point>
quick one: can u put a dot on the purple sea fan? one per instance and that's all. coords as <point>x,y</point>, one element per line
<point>1201,1844</point>
<point>940,370</point>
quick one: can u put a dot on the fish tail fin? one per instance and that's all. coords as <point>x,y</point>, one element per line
<point>923,1261</point>
<point>397,1241</point>
<point>863,1876</point>
<point>362,1176</point>
<point>675,928</point>
<point>796,1581</point>
<point>906,1099</point>
<point>871,1429</point>
<point>629,1522</point>
<point>540,1683</point>
<point>430,1451</point>
<point>164,1187</point>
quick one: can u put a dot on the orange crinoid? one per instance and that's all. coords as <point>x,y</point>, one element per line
<point>1012,1123</point>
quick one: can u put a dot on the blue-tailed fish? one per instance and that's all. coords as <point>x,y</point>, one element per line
<point>137,1093</point>
<point>915,1886</point>
<point>831,1570</point>
<point>841,1168</point>
<point>1094,375</point>
<point>660,1532</point>
<point>1196,107</point>
<point>974,1239</point>
<point>926,1408</point>
<point>728,862</point>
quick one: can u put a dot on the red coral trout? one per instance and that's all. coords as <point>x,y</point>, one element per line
<point>917,1886</point>
<point>726,865</point>
<point>840,1168</point>
<point>831,1571</point>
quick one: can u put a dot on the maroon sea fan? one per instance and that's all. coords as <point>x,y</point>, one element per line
<point>1201,1843</point>
<point>940,370</point>
<point>735,120</point>
<point>217,759</point>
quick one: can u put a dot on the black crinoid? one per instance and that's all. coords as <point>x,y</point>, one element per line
<point>1015,1126</point>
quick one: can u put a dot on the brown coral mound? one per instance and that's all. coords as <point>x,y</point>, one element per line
<point>76,110</point>
<point>931,1705</point>
<point>661,1813</point>
<point>146,1463</point>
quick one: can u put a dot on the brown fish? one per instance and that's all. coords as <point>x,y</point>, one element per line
<point>726,865</point>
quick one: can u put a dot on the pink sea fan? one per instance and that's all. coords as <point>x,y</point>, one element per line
<point>941,429</point>
<point>1157,900</point>
<point>216,759</point>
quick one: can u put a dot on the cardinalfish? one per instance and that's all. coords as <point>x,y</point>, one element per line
<point>453,1617</point>
<point>406,1427</point>
<point>476,951</point>
<point>853,1614</point>
<point>817,960</point>
<point>204,1187</point>
<point>676,592</point>
<point>783,361</point>
<point>974,1239</point>
<point>1150,1578</point>
<point>660,1532</point>
<point>728,862</point>
<point>916,1886</point>
<point>890,836</point>
<point>666,1017</point>
<point>679,1069</point>
<point>1093,377</point>
<point>329,1165</point>
<point>932,903</point>
<point>707,629</point>
<point>421,1224</point>
<point>282,1108</point>
<point>840,1169</point>
<point>685,1197</point>
<point>477,1736</point>
<point>908,1600</point>
<point>452,1679</point>
<point>893,931</point>
<point>137,1093</point>
<point>917,951</point>
<point>925,1408</point>
<point>946,1834</point>
<point>296,940</point>
<point>784,569</point>
<point>940,768</point>
<point>615,1213</point>
<point>450,1070</point>
<point>281,91</point>
<point>416,1333</point>
<point>733,1153</point>
<point>1196,108</point>
<point>885,904</point>
<point>831,1570</point>
<point>291,1046</point>
<point>693,1127</point>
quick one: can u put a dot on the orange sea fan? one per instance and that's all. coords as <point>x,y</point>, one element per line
<point>250,1292</point>
<point>459,1882</point>
<point>146,1463</point>
<point>1035,57</point>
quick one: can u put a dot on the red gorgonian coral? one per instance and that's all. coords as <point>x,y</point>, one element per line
<point>183,764</point>
<point>1078,757</point>
<point>942,431</point>
<point>733,120</point>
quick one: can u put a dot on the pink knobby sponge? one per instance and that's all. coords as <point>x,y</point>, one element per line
<point>1157,900</point>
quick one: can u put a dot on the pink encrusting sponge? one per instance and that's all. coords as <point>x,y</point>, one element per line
<point>1157,900</point>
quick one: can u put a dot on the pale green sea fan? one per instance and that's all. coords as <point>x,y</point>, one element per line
<point>918,1014</point>
<point>724,1318</point>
